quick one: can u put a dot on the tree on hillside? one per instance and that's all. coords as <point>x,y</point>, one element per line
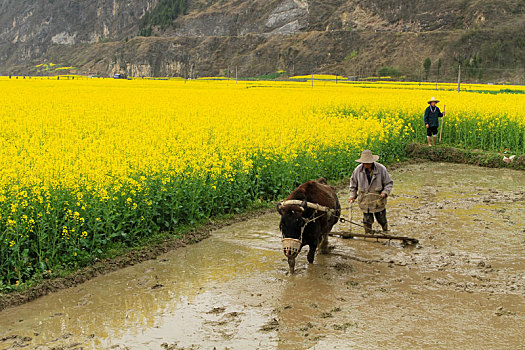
<point>426,66</point>
<point>162,15</point>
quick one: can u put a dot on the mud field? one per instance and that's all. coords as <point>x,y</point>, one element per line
<point>462,287</point>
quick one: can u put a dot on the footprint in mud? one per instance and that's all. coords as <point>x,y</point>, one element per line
<point>330,314</point>
<point>227,324</point>
<point>352,283</point>
<point>16,341</point>
<point>503,312</point>
<point>326,314</point>
<point>157,286</point>
<point>270,326</point>
<point>307,327</point>
<point>344,326</point>
<point>86,299</point>
<point>343,267</point>
<point>142,281</point>
<point>216,310</point>
<point>232,316</point>
<point>174,346</point>
<point>298,271</point>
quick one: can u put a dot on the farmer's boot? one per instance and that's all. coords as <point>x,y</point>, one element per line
<point>385,227</point>
<point>368,229</point>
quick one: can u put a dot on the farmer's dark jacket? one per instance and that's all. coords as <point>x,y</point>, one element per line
<point>432,118</point>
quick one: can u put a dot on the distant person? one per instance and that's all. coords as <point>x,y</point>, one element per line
<point>371,184</point>
<point>432,115</point>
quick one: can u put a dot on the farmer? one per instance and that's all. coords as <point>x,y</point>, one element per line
<point>371,184</point>
<point>432,115</point>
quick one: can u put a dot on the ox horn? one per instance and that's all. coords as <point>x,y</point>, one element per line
<point>304,205</point>
<point>279,206</point>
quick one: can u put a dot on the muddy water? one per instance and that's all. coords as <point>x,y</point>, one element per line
<point>462,287</point>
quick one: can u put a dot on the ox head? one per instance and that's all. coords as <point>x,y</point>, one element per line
<point>292,220</point>
<point>291,226</point>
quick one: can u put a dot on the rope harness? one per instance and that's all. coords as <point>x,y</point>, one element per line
<point>368,201</point>
<point>292,246</point>
<point>317,208</point>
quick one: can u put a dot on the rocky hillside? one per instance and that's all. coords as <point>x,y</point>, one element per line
<point>259,37</point>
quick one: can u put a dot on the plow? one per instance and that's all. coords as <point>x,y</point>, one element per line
<point>377,235</point>
<point>374,234</point>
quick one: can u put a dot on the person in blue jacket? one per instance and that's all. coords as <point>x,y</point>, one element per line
<point>432,115</point>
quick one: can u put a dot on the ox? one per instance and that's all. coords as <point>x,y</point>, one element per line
<point>307,216</point>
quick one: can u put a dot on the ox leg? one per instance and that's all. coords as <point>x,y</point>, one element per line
<point>291,263</point>
<point>324,244</point>
<point>311,253</point>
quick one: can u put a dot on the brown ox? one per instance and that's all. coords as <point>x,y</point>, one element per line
<point>313,211</point>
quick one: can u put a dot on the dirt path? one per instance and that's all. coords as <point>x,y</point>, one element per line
<point>463,287</point>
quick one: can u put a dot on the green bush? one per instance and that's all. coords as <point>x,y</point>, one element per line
<point>388,72</point>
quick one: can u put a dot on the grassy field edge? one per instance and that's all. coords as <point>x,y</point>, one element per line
<point>463,156</point>
<point>119,257</point>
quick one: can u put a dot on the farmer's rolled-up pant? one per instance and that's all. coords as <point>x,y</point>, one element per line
<point>368,220</point>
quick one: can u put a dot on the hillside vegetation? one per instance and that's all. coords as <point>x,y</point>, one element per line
<point>211,37</point>
<point>163,15</point>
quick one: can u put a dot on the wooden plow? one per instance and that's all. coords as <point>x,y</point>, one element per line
<point>377,235</point>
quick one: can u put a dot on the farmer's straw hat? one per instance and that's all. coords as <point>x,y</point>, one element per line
<point>367,157</point>
<point>433,99</point>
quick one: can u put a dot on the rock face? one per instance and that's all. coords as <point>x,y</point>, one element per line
<point>250,17</point>
<point>352,37</point>
<point>70,22</point>
<point>29,28</point>
<point>288,18</point>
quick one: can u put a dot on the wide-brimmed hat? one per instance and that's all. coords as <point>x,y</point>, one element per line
<point>433,99</point>
<point>367,157</point>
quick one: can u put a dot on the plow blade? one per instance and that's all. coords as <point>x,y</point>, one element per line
<point>406,240</point>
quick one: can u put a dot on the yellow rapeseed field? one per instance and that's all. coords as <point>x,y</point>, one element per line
<point>86,163</point>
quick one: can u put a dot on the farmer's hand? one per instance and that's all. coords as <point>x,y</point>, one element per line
<point>383,195</point>
<point>427,126</point>
<point>351,199</point>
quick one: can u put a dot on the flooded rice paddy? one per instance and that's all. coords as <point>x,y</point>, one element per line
<point>463,286</point>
